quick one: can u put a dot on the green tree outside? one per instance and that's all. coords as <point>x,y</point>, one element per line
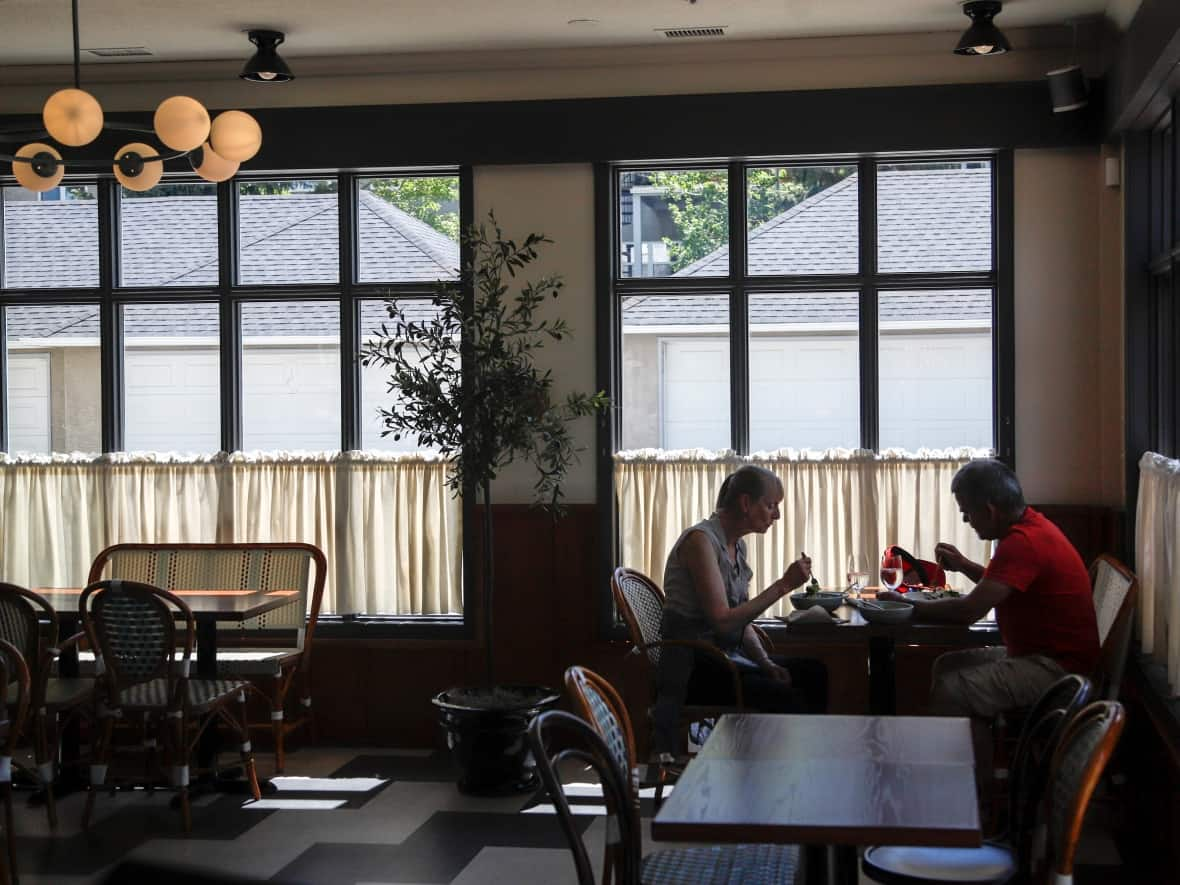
<point>432,200</point>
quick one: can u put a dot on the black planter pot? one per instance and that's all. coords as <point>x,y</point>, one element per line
<point>485,729</point>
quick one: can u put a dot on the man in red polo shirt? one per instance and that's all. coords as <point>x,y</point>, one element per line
<point>1039,588</point>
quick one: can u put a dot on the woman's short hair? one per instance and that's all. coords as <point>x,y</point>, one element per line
<point>987,481</point>
<point>749,479</point>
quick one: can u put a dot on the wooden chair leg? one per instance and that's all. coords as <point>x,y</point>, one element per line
<point>46,769</point>
<point>9,830</point>
<point>277,724</point>
<point>246,749</point>
<point>98,770</point>
<point>178,757</point>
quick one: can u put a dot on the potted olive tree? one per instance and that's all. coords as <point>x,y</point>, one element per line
<point>466,383</point>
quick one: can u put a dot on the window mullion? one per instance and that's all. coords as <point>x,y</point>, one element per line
<point>3,358</point>
<point>110,317</point>
<point>350,321</point>
<point>867,325</point>
<point>229,325</point>
<point>1004,310</point>
<point>739,325</point>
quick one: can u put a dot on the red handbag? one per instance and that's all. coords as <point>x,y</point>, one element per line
<point>918,572</point>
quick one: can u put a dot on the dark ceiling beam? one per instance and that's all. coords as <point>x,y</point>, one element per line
<point>1145,73</point>
<point>959,117</point>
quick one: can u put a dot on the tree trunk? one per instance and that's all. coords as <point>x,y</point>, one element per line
<point>489,582</point>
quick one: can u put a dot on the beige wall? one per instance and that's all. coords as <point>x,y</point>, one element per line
<point>1069,405</point>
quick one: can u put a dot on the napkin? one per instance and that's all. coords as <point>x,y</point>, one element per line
<point>814,615</point>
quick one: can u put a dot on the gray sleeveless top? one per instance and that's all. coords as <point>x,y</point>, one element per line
<point>683,617</point>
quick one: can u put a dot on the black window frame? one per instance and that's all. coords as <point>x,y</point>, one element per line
<point>612,288</point>
<point>229,295</point>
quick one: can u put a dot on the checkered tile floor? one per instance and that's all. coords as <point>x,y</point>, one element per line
<point>350,816</point>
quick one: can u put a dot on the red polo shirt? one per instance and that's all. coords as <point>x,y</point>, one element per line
<point>1051,609</point>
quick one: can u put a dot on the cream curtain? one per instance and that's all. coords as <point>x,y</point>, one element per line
<point>387,523</point>
<point>835,503</point>
<point>1157,544</point>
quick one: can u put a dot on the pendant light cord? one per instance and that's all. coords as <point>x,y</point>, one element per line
<point>77,51</point>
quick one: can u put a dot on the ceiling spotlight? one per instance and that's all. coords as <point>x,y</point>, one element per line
<point>983,37</point>
<point>265,66</point>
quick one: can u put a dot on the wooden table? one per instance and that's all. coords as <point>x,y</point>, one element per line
<point>828,780</point>
<point>208,607</point>
<point>882,641</point>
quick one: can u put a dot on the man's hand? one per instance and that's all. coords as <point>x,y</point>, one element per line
<point>949,557</point>
<point>892,596</point>
<point>778,674</point>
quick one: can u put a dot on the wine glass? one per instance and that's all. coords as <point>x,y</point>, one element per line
<point>892,571</point>
<point>858,573</point>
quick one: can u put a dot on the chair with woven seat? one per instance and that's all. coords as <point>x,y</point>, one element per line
<point>30,623</point>
<point>1038,776</point>
<point>1116,592</point>
<point>641,603</point>
<point>557,737</point>
<point>132,626</point>
<point>274,647</point>
<point>13,672</point>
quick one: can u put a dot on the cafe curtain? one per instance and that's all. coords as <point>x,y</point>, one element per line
<point>1157,548</point>
<point>835,502</point>
<point>387,523</point>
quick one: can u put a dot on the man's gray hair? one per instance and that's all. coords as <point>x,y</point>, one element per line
<point>987,481</point>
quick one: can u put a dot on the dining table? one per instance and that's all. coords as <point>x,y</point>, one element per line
<point>849,625</point>
<point>833,781</point>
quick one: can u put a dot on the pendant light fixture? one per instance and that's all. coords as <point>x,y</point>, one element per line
<point>265,65</point>
<point>74,118</point>
<point>1068,90</point>
<point>983,37</point>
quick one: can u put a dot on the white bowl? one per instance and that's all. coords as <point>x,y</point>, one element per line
<point>886,611</point>
<point>828,600</point>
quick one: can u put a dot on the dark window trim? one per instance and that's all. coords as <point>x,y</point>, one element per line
<point>229,296</point>
<point>868,282</point>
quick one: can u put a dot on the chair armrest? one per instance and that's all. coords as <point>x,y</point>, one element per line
<point>711,651</point>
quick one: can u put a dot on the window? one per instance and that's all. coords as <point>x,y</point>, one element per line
<point>210,320</point>
<point>838,322</point>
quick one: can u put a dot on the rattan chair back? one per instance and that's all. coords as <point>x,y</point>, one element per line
<point>556,737</point>
<point>641,603</point>
<point>1116,592</point>
<point>1078,764</point>
<point>598,703</point>
<point>21,614</point>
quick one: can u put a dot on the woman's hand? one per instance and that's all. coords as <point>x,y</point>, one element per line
<point>798,572</point>
<point>773,671</point>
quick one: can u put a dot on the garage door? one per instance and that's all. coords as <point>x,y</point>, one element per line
<point>28,402</point>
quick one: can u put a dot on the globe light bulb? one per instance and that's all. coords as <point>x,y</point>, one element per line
<point>31,176</point>
<point>235,135</point>
<point>182,123</point>
<point>212,166</point>
<point>72,117</point>
<point>133,171</point>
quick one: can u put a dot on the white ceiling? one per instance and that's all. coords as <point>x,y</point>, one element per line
<point>38,31</point>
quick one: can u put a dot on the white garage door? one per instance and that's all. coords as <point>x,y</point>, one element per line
<point>173,402</point>
<point>804,393</point>
<point>28,402</point>
<point>936,392</point>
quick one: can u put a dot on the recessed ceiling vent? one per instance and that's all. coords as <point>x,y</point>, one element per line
<point>119,51</point>
<point>682,33</point>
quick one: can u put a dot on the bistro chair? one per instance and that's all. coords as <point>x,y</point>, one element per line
<point>273,648</point>
<point>13,673</point>
<point>1116,592</point>
<point>641,603</point>
<point>557,737</point>
<point>1050,731</point>
<point>132,627</point>
<point>30,624</point>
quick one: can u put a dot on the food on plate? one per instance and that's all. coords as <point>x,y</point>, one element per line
<point>813,587</point>
<point>936,592</point>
